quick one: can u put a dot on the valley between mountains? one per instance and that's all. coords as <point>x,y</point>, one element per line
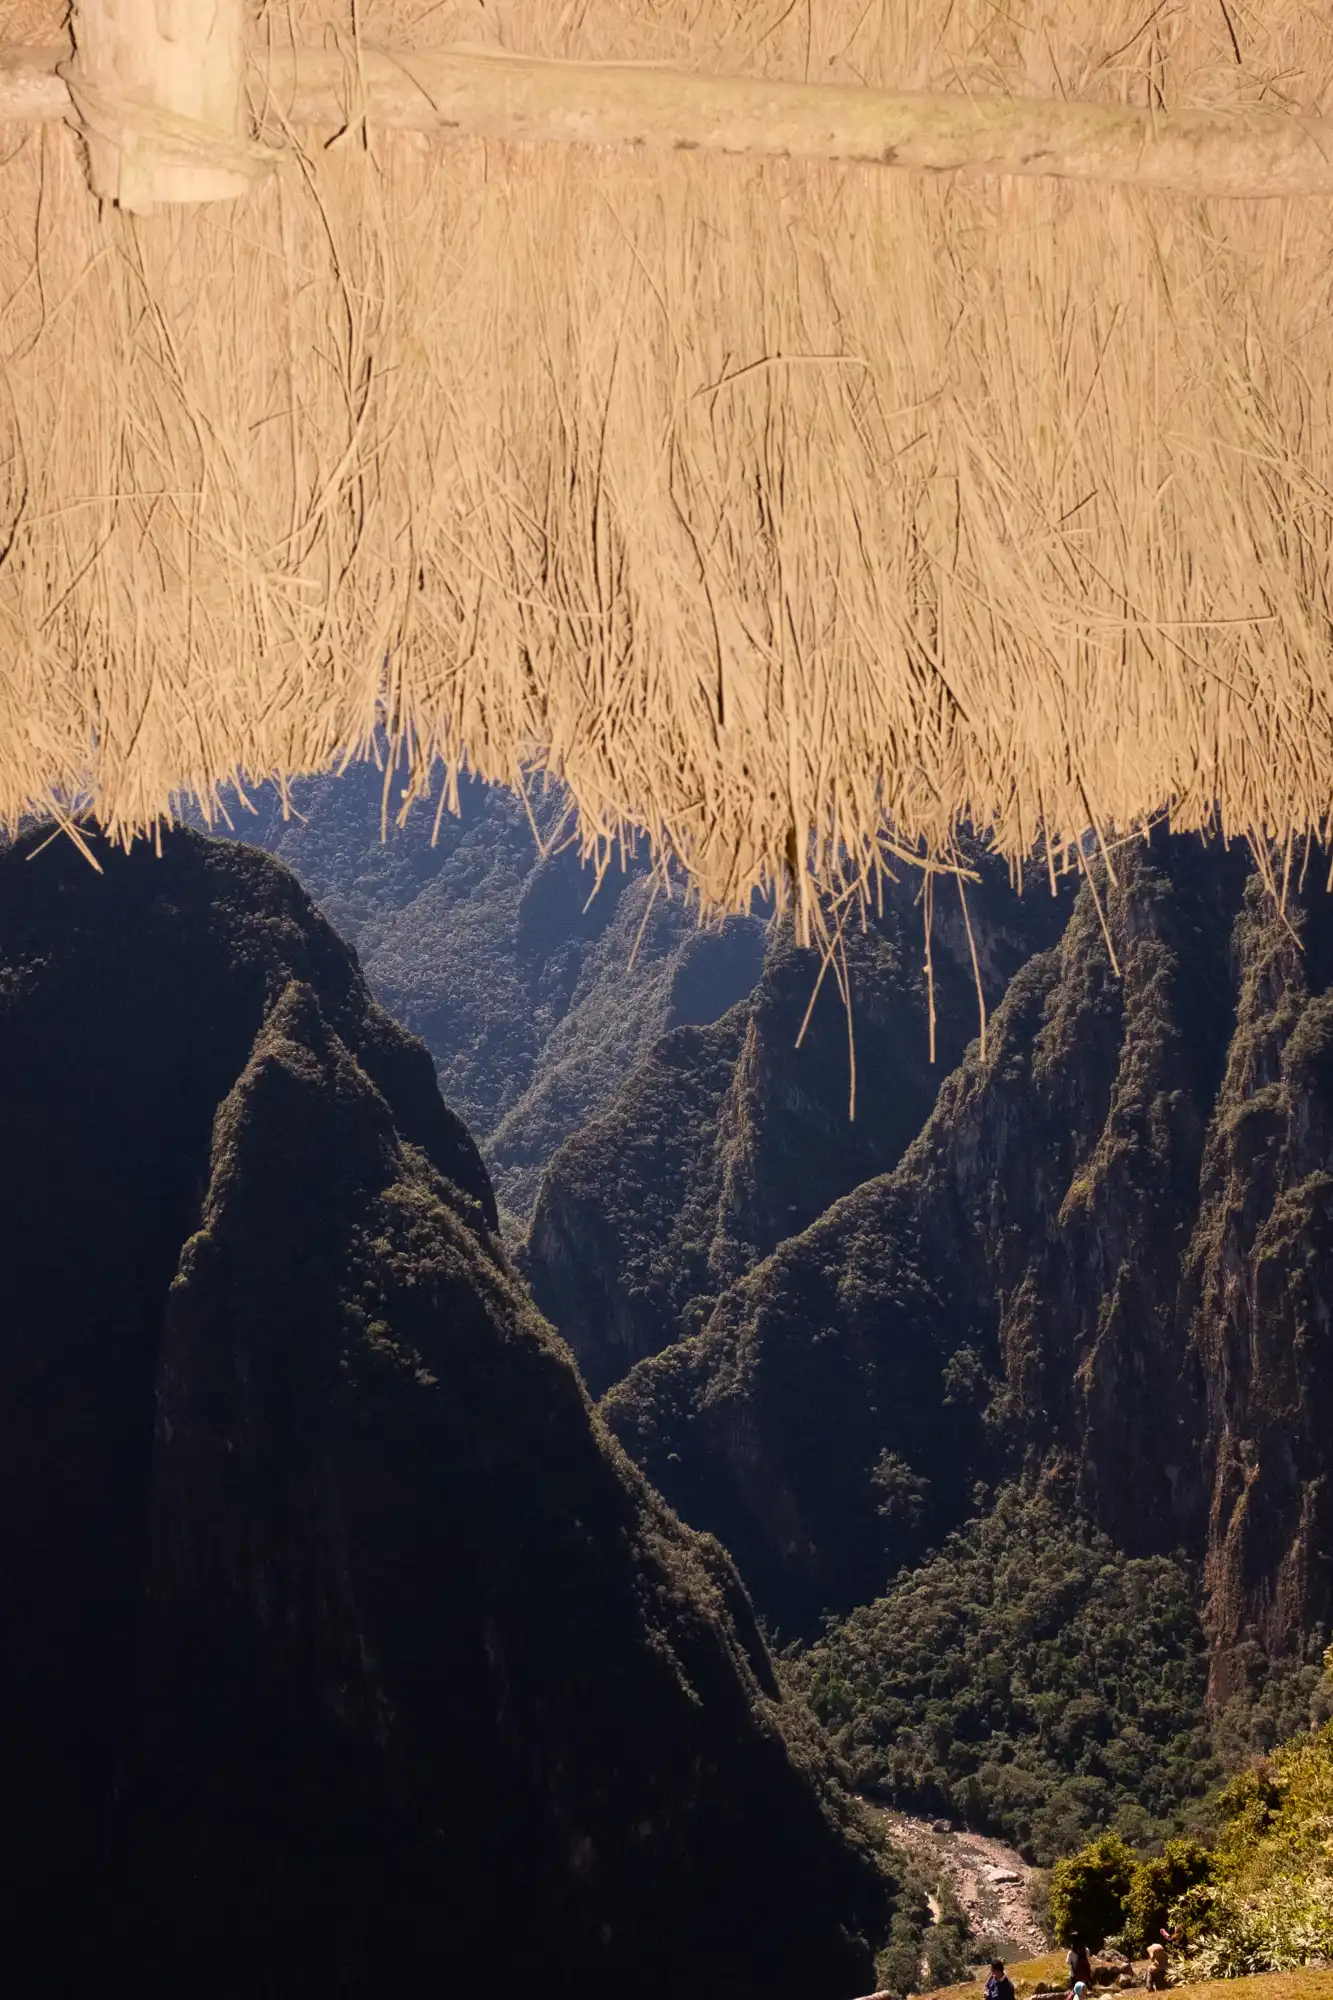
<point>530,1445</point>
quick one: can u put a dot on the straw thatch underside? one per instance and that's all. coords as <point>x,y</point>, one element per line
<point>773,507</point>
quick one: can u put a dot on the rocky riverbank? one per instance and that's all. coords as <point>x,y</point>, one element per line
<point>991,1882</point>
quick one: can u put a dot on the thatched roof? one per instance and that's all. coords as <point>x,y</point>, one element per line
<point>776,506</point>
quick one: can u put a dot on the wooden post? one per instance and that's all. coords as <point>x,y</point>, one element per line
<point>158,86</point>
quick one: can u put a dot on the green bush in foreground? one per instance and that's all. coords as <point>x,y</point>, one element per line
<point>1103,1892</point>
<point>1090,1892</point>
<point>1260,1901</point>
<point>1273,1930</point>
<point>1270,1907</point>
<point>1158,1885</point>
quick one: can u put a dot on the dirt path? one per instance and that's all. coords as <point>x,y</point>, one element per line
<point>990,1881</point>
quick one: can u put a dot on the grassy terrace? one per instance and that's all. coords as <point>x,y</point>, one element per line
<point>1306,1984</point>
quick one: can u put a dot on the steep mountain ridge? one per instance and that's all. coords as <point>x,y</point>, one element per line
<point>1259,1291</point>
<point>727,1140</point>
<point>342,1641</point>
<point>1101,1266</point>
<point>535,986</point>
<point>653,970</point>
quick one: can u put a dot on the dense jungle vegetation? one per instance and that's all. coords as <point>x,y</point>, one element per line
<point>1027,1679</point>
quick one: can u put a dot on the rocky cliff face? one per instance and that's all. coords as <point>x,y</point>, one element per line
<point>728,1140</point>
<point>1258,1291</point>
<point>534,995</point>
<point>1103,1265</point>
<point>343,1646</point>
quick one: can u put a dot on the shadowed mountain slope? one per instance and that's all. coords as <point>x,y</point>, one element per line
<point>1105,1262</point>
<point>727,1139</point>
<point>345,1651</point>
<point>534,994</point>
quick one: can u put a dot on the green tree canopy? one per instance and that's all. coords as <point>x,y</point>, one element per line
<point>1090,1892</point>
<point>1028,1679</point>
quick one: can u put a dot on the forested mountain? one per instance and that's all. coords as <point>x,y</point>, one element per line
<point>1084,1268</point>
<point>341,1641</point>
<point>1104,1262</point>
<point>535,987</point>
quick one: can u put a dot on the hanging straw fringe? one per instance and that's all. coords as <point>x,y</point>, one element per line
<point>768,503</point>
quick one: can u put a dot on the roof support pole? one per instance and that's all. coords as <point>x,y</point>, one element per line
<point>159,89</point>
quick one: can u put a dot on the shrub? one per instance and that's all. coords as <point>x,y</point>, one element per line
<point>1270,1907</point>
<point>1039,1900</point>
<point>947,1954</point>
<point>898,1966</point>
<point>1090,1892</point>
<point>947,1958</point>
<point>922,1953</point>
<point>1159,1884</point>
<point>1274,1930</point>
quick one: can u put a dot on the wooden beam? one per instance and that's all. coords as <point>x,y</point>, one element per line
<point>473,93</point>
<point>31,90</point>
